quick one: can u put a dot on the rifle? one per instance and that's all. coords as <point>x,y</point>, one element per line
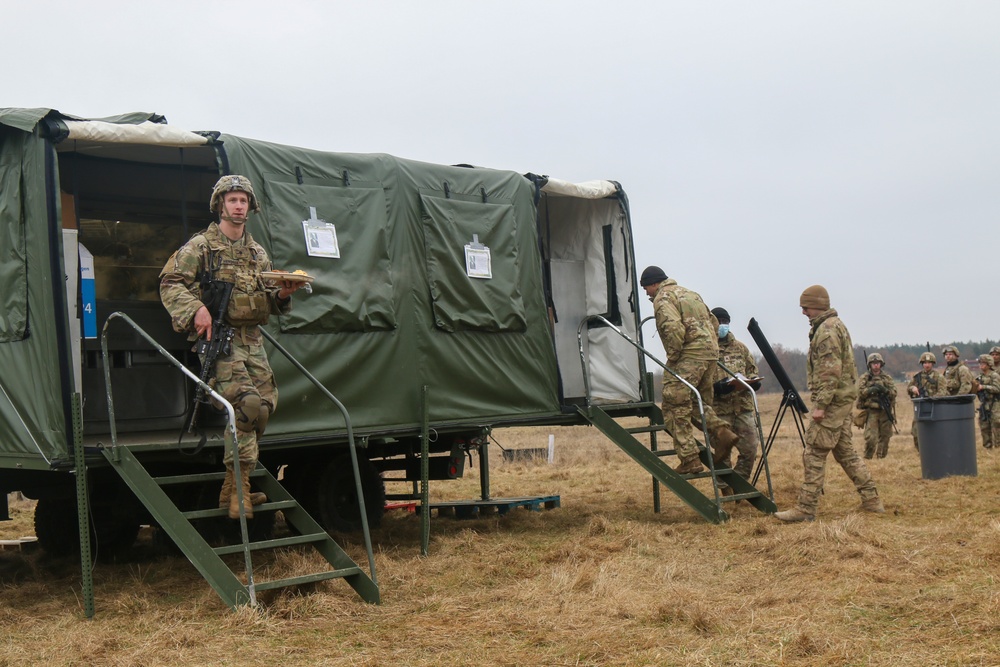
<point>985,405</point>
<point>217,297</point>
<point>887,408</point>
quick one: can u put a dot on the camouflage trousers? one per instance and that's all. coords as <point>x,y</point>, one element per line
<point>744,425</point>
<point>833,434</point>
<point>680,406</point>
<point>990,430</point>
<point>878,431</point>
<point>244,378</point>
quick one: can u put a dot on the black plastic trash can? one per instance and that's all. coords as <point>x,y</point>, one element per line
<point>946,428</point>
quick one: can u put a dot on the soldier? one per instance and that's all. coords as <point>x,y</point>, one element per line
<point>877,397</point>
<point>988,394</point>
<point>689,333</point>
<point>995,353</point>
<point>926,383</point>
<point>225,252</point>
<point>833,381</point>
<point>732,402</point>
<point>957,376</point>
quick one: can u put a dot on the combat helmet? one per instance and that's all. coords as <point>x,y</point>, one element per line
<point>875,356</point>
<point>229,183</point>
<point>986,361</point>
<point>952,349</point>
<point>995,349</point>
<point>928,356</point>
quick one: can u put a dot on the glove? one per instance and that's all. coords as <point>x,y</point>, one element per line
<point>875,390</point>
<point>755,385</point>
<point>721,388</point>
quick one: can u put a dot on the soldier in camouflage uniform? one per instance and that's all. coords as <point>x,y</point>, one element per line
<point>876,386</point>
<point>988,393</point>
<point>995,353</point>
<point>226,252</point>
<point>733,403</point>
<point>926,383</point>
<point>833,382</point>
<point>957,376</point>
<point>689,333</point>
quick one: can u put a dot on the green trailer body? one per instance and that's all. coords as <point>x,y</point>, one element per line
<point>460,287</point>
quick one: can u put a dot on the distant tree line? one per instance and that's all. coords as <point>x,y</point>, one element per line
<point>901,361</point>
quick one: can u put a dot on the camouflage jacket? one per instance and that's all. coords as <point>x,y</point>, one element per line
<point>686,326</point>
<point>929,383</point>
<point>989,386</point>
<point>833,377</point>
<point>239,262</point>
<point>957,379</point>
<point>869,388</point>
<point>735,356</point>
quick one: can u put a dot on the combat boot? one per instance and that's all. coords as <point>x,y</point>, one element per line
<point>723,441</point>
<point>689,466</point>
<point>234,502</point>
<point>256,498</point>
<point>873,505</point>
<point>227,488</point>
<point>793,515</point>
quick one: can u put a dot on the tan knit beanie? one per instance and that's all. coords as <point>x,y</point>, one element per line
<point>815,296</point>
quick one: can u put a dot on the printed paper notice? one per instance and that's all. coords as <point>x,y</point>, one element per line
<point>477,261</point>
<point>321,236</point>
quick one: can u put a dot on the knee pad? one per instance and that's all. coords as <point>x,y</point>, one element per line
<point>247,408</point>
<point>262,417</point>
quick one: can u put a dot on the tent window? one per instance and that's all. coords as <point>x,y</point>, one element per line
<point>352,292</point>
<point>461,302</point>
<point>13,265</point>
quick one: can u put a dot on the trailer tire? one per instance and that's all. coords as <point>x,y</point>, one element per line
<point>113,527</point>
<point>338,499</point>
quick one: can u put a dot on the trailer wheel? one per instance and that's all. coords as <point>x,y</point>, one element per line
<point>338,498</point>
<point>113,527</point>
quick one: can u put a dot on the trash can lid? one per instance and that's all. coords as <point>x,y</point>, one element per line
<point>960,398</point>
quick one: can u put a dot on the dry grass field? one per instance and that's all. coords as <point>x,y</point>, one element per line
<point>600,581</point>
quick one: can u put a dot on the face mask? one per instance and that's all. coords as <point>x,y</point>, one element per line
<point>723,330</point>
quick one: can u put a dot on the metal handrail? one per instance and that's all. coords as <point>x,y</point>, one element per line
<point>230,432</point>
<point>760,431</point>
<point>350,436</point>
<point>691,387</point>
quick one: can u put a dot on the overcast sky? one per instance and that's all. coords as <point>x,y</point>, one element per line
<point>764,146</point>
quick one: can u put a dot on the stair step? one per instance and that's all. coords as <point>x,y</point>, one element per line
<point>190,479</point>
<point>708,473</point>
<point>200,477</point>
<point>736,497</point>
<point>273,544</point>
<point>224,511</point>
<point>656,428</point>
<point>306,579</point>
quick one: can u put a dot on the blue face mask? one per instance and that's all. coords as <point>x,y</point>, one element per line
<point>723,330</point>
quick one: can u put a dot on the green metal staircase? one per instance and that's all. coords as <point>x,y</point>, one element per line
<point>650,459</point>
<point>208,559</point>
<point>178,523</point>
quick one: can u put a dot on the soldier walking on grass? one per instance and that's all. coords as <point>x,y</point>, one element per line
<point>926,383</point>
<point>833,380</point>
<point>877,398</point>
<point>988,392</point>
<point>689,333</point>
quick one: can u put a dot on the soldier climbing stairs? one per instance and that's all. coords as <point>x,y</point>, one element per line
<point>208,559</point>
<point>680,485</point>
